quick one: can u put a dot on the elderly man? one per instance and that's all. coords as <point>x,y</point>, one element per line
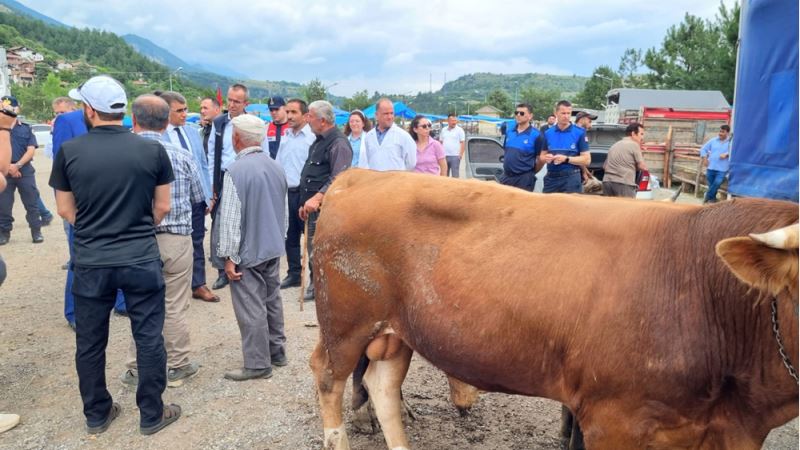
<point>329,155</point>
<point>292,156</point>
<point>174,237</point>
<point>181,136</point>
<point>387,146</point>
<point>278,126</point>
<point>221,155</point>
<point>251,243</point>
<point>209,110</point>
<point>114,248</point>
<point>623,160</point>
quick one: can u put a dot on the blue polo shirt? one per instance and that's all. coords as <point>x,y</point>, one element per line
<point>570,142</point>
<point>521,150</point>
<point>713,149</point>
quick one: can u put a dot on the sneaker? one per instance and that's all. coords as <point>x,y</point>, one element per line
<point>36,236</point>
<point>248,374</point>
<point>176,377</point>
<point>130,377</point>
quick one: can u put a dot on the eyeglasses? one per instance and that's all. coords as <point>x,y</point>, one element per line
<point>182,110</point>
<point>424,125</point>
<point>520,113</point>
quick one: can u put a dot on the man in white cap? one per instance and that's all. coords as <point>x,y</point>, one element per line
<point>251,221</point>
<point>113,186</point>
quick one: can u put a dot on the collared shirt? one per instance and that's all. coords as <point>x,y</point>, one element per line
<point>230,215</point>
<point>22,138</point>
<point>712,149</point>
<point>228,154</point>
<point>396,151</point>
<point>381,134</point>
<point>355,144</point>
<point>176,140</point>
<point>293,153</point>
<point>451,140</point>
<point>570,142</point>
<point>184,191</point>
<point>521,150</point>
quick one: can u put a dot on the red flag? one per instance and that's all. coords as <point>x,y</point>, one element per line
<point>219,97</point>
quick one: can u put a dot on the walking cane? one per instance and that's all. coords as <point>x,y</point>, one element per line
<point>303,267</point>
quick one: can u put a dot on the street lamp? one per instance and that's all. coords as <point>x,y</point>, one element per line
<point>327,94</point>
<point>173,73</point>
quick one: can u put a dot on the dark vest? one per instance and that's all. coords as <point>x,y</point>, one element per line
<point>219,131</point>
<point>317,170</point>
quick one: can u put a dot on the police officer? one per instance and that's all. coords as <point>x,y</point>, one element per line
<point>521,152</point>
<point>20,176</point>
<point>278,126</point>
<point>565,151</point>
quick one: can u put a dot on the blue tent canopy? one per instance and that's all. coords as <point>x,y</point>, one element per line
<point>764,157</point>
<point>261,110</point>
<point>400,110</point>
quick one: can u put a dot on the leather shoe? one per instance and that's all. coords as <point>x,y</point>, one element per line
<point>37,236</point>
<point>204,294</point>
<point>221,282</point>
<point>248,374</point>
<point>290,281</point>
<point>47,220</point>
<point>309,295</point>
<point>5,236</point>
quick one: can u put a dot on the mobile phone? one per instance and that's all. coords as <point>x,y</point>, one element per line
<point>8,112</point>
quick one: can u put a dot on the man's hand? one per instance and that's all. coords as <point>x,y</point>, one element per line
<point>548,157</point>
<point>723,156</point>
<point>311,206</point>
<point>13,171</point>
<point>230,271</point>
<point>558,159</point>
<point>211,204</point>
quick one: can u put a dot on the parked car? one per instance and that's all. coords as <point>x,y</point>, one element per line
<point>42,131</point>
<point>484,157</point>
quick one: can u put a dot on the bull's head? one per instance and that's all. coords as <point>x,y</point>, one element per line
<point>767,262</point>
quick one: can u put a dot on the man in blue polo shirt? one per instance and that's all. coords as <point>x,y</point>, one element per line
<point>565,151</point>
<point>522,146</point>
<point>716,156</point>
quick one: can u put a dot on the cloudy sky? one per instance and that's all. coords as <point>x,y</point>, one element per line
<point>391,46</point>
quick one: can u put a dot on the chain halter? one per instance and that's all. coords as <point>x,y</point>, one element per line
<point>781,349</point>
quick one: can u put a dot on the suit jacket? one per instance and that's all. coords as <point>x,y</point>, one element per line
<point>67,126</point>
<point>198,153</point>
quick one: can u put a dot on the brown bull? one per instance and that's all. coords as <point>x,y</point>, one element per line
<point>622,310</point>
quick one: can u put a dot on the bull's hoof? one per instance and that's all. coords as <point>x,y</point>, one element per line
<point>463,411</point>
<point>364,420</point>
<point>336,439</point>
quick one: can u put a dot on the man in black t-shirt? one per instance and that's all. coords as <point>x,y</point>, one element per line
<point>113,187</point>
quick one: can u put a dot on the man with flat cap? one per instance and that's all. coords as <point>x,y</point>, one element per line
<point>114,247</point>
<point>251,224</point>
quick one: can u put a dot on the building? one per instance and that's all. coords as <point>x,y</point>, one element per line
<point>488,111</point>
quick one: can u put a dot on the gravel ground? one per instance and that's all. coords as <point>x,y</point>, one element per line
<point>39,382</point>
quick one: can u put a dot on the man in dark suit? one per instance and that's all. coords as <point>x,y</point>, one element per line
<point>189,139</point>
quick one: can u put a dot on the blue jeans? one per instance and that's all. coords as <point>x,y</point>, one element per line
<point>69,300</point>
<point>715,179</point>
<point>95,290</point>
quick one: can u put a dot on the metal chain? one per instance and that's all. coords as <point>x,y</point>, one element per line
<point>775,329</point>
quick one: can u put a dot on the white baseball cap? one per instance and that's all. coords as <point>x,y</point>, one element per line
<point>102,93</point>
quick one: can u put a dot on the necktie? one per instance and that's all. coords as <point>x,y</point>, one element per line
<point>180,136</point>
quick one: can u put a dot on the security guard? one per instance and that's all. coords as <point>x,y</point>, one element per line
<point>565,152</point>
<point>521,151</point>
<point>20,176</point>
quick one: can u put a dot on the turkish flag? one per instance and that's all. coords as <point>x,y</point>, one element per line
<point>219,97</point>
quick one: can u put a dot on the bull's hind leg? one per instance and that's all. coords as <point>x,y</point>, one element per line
<point>389,360</point>
<point>330,388</point>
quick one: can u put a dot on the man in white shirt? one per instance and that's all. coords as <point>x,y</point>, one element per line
<point>387,146</point>
<point>292,156</point>
<point>453,138</point>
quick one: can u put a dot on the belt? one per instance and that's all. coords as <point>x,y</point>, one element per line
<point>294,190</point>
<point>562,173</point>
<point>512,174</point>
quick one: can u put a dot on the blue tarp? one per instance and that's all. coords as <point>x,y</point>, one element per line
<point>400,110</point>
<point>764,158</point>
<point>261,110</point>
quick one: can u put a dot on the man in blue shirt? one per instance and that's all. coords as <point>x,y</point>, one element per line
<point>521,151</point>
<point>716,156</point>
<point>565,151</point>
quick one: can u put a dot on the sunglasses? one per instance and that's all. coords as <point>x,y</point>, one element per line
<point>425,125</point>
<point>520,113</point>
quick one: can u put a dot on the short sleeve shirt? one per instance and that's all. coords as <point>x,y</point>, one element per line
<point>428,159</point>
<point>570,141</point>
<point>621,162</point>
<point>112,174</point>
<point>22,137</point>
<point>452,139</point>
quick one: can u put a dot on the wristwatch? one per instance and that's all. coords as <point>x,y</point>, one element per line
<point>567,160</point>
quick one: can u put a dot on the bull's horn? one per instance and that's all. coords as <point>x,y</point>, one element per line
<point>784,238</point>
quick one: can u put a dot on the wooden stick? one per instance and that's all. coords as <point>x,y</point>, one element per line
<point>303,267</point>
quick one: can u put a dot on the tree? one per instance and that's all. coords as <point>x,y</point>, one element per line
<point>500,100</point>
<point>541,100</point>
<point>697,54</point>
<point>314,91</point>
<point>359,100</point>
<point>630,66</point>
<point>594,92</point>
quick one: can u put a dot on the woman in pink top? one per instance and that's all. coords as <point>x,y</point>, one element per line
<point>430,153</point>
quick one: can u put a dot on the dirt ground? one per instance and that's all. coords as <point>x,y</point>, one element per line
<point>39,382</point>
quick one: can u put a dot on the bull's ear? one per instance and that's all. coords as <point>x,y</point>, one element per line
<point>767,262</point>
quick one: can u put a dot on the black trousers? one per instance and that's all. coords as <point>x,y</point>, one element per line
<point>312,229</point>
<point>95,291</point>
<point>198,253</point>
<point>524,180</point>
<point>29,195</point>
<point>293,233</point>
